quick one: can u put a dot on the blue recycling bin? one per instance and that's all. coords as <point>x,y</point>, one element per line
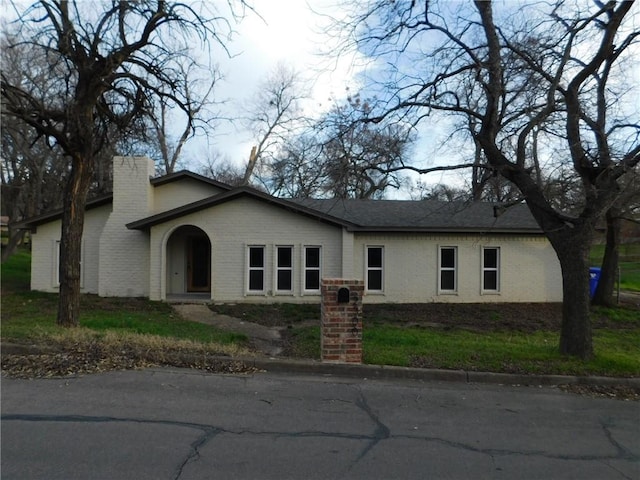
<point>594,277</point>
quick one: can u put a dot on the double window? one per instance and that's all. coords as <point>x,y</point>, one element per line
<point>375,268</point>
<point>491,269</point>
<point>448,270</point>
<point>448,281</point>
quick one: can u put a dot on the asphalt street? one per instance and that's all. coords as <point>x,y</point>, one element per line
<point>182,424</point>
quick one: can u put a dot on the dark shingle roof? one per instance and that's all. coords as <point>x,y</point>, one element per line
<point>352,214</point>
<point>33,222</point>
<point>426,215</point>
<point>377,215</point>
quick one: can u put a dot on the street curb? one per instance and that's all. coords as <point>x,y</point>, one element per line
<point>381,372</point>
<point>389,372</point>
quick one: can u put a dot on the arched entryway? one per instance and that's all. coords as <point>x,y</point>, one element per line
<point>188,262</point>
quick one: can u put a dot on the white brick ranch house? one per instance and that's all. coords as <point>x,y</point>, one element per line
<point>184,234</point>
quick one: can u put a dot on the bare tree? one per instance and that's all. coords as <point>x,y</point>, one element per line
<point>362,160</point>
<point>196,116</point>
<point>626,207</point>
<point>546,73</point>
<point>441,192</point>
<point>341,157</point>
<point>108,62</point>
<point>24,169</point>
<point>274,114</point>
<point>221,169</point>
<point>33,169</point>
<point>297,168</point>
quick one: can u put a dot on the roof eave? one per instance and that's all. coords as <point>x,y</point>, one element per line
<point>445,230</point>
<point>172,177</point>
<point>33,222</point>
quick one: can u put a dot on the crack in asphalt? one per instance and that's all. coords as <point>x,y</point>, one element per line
<point>194,454</point>
<point>382,432</point>
<point>208,431</point>
<point>618,471</point>
<point>622,452</point>
<point>94,419</point>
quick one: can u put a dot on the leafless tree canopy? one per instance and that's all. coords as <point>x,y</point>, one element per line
<point>338,156</point>
<point>273,116</point>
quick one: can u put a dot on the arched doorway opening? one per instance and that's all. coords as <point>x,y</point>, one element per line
<point>188,261</point>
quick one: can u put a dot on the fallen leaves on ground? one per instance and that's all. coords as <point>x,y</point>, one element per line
<point>93,356</point>
<point>619,392</point>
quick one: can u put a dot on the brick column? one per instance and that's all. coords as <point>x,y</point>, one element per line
<point>341,340</point>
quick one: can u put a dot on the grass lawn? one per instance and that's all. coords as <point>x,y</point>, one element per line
<point>391,336</point>
<point>617,351</point>
<point>629,263</point>
<point>31,316</point>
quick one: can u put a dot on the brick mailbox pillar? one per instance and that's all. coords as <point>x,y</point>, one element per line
<point>341,310</point>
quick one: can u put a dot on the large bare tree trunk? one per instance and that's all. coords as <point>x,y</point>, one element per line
<point>572,249</point>
<point>609,269</point>
<point>71,242</point>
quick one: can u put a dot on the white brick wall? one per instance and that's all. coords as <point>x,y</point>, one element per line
<point>178,193</point>
<point>233,226</point>
<point>124,254</point>
<point>122,262</point>
<point>529,269</point>
<point>95,220</point>
<point>43,257</point>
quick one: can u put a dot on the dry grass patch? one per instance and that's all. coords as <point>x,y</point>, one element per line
<point>81,351</point>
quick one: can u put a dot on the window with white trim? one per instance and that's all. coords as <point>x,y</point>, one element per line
<point>284,269</point>
<point>55,278</point>
<point>56,264</point>
<point>491,269</point>
<point>448,259</point>
<point>375,268</point>
<point>255,283</point>
<point>312,271</point>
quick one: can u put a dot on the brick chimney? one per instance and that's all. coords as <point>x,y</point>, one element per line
<point>122,249</point>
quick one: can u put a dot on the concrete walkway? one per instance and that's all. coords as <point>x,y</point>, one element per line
<point>264,339</point>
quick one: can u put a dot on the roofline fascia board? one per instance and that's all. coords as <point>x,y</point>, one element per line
<point>445,230</point>
<point>33,222</point>
<point>172,177</point>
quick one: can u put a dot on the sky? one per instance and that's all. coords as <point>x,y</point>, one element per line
<point>289,32</point>
<point>280,31</point>
<point>286,32</point>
